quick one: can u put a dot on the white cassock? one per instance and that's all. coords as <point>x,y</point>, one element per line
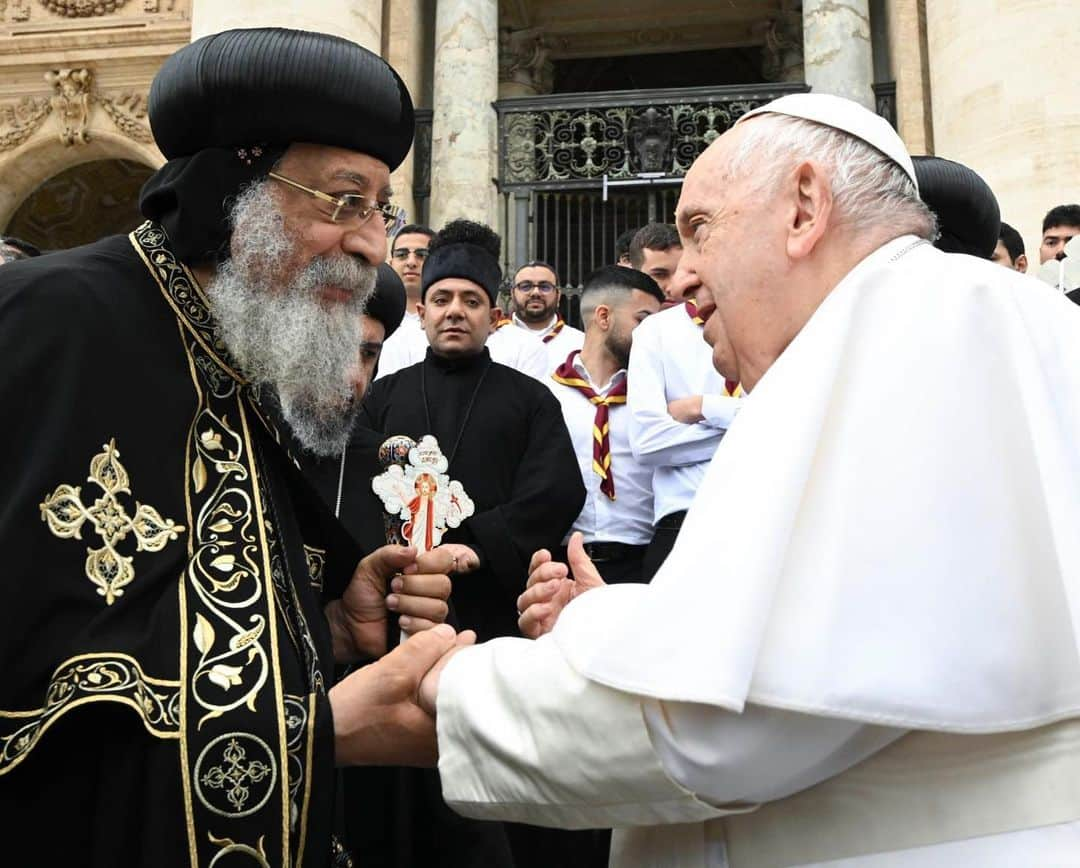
<point>863,649</point>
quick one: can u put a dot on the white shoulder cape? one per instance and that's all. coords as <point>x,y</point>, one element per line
<point>890,530</point>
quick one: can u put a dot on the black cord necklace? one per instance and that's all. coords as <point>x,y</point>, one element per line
<point>468,408</point>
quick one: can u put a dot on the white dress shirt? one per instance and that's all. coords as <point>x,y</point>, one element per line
<point>559,347</point>
<point>628,518</point>
<point>669,359</point>
<point>404,347</point>
<point>409,344</point>
<point>511,347</point>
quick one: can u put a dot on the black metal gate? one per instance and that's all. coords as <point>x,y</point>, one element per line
<point>575,230</point>
<point>577,170</point>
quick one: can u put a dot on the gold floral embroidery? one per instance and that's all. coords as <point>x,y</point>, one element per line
<point>66,513</point>
<point>92,678</point>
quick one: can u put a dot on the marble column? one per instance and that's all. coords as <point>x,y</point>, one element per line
<point>405,29</point>
<point>836,49</point>
<point>906,25</point>
<point>1004,103</point>
<point>463,149</point>
<point>358,20</point>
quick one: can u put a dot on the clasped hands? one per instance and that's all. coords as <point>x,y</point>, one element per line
<point>378,719</point>
<point>384,713</point>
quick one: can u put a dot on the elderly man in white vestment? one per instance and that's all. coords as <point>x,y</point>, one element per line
<point>863,649</point>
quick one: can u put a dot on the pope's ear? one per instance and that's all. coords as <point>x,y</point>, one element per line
<point>810,197</point>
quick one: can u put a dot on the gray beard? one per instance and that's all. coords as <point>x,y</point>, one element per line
<point>279,332</point>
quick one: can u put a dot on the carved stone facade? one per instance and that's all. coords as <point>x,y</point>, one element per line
<point>525,67</point>
<point>74,75</point>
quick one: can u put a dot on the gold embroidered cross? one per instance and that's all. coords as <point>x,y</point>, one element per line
<point>65,514</point>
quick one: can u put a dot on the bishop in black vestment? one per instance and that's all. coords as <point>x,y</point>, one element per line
<point>167,658</point>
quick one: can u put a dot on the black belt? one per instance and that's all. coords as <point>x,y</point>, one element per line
<point>671,521</point>
<point>600,552</point>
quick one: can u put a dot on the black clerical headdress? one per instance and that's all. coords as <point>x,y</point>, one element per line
<point>966,208</point>
<point>465,249</point>
<point>225,108</point>
<point>387,304</point>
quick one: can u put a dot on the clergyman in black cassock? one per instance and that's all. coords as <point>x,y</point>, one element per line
<point>166,657</point>
<point>504,436</point>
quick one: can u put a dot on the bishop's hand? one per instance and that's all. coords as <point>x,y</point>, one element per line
<point>419,588</point>
<point>552,586</point>
<point>378,719</point>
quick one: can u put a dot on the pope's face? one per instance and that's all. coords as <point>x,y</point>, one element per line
<point>723,356</point>
<point>734,248</point>
<point>457,317</point>
<point>335,171</point>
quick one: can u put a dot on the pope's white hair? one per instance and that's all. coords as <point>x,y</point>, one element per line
<point>869,190</point>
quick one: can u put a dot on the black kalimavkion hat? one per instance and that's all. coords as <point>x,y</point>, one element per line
<point>966,208</point>
<point>224,109</point>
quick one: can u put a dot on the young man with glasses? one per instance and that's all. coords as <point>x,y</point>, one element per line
<point>408,251</point>
<point>536,295</point>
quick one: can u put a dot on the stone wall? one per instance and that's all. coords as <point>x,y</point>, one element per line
<point>1005,101</point>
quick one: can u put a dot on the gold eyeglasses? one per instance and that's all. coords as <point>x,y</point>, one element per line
<point>352,205</point>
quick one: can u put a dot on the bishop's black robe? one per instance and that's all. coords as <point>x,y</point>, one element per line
<point>509,448</point>
<point>164,654</point>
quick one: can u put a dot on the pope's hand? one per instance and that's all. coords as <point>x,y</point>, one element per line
<point>552,586</point>
<point>419,589</point>
<point>377,717</point>
<point>429,687</point>
<point>686,410</point>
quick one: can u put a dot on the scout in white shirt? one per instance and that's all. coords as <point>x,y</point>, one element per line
<point>680,408</point>
<point>616,521</point>
<point>863,650</point>
<point>535,297</point>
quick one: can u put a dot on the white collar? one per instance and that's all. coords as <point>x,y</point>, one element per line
<point>518,321</point>
<point>579,366</point>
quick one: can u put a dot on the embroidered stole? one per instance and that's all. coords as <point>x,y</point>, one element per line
<point>568,376</point>
<point>731,388</point>
<point>246,729</point>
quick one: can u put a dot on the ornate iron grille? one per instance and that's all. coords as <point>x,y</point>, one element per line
<point>574,140</point>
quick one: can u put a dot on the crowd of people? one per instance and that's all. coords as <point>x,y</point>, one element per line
<point>209,605</point>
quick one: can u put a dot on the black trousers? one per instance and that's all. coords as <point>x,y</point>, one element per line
<point>666,531</point>
<point>625,564</point>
